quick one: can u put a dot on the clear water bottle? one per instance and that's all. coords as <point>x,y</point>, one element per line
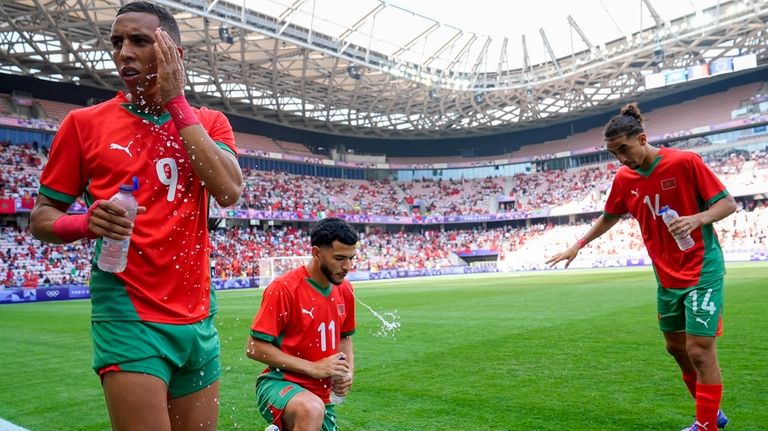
<point>272,427</point>
<point>114,253</point>
<point>668,214</point>
<point>336,399</point>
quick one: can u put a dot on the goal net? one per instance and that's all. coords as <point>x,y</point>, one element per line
<point>272,267</point>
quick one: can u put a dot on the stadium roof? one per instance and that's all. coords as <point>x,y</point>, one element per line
<point>374,68</point>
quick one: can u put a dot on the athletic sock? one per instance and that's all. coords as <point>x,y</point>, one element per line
<point>707,404</point>
<point>690,381</point>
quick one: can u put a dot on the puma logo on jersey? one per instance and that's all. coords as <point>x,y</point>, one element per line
<point>308,312</point>
<point>127,148</point>
<point>635,192</point>
<point>704,322</point>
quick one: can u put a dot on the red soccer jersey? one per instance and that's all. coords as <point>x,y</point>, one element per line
<point>305,321</point>
<point>96,149</point>
<point>681,180</point>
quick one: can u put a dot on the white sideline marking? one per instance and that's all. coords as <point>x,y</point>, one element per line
<point>7,426</point>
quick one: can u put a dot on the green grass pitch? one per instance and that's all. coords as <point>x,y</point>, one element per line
<point>576,350</point>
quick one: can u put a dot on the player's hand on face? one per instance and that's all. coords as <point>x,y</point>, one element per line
<point>109,220</point>
<point>170,69</point>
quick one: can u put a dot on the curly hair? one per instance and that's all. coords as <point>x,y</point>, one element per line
<point>628,123</point>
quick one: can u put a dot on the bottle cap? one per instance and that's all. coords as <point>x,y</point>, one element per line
<point>126,188</point>
<point>663,209</point>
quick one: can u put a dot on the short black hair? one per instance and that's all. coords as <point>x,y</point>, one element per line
<point>628,123</point>
<point>331,229</point>
<point>167,21</point>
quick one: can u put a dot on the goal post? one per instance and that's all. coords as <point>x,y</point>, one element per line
<point>272,267</point>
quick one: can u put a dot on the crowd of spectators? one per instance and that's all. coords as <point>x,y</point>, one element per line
<point>743,232</point>
<point>20,167</point>
<point>27,262</point>
<point>570,191</point>
<point>236,252</point>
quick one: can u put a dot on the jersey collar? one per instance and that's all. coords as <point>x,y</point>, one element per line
<point>647,172</point>
<point>325,291</point>
<point>159,121</point>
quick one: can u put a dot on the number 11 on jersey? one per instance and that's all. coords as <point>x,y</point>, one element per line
<point>324,334</point>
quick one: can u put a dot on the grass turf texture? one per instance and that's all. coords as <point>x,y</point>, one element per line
<point>576,350</point>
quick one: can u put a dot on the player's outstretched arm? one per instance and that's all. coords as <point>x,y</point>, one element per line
<point>601,226</point>
<point>268,353</point>
<point>568,255</point>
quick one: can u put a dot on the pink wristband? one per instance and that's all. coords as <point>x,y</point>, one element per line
<point>70,228</point>
<point>182,114</point>
<point>581,243</point>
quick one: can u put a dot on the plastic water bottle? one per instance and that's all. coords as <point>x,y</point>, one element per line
<point>271,427</point>
<point>336,398</point>
<point>668,214</point>
<point>114,253</point>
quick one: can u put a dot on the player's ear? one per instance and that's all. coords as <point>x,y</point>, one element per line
<point>181,52</point>
<point>315,251</point>
<point>642,138</point>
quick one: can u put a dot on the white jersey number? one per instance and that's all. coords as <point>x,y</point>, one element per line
<point>324,334</point>
<point>654,211</point>
<point>168,173</point>
<point>706,304</point>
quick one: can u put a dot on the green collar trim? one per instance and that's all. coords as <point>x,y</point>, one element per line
<point>325,291</point>
<point>647,172</point>
<point>159,121</point>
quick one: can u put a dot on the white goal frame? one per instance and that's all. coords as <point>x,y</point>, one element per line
<point>272,267</point>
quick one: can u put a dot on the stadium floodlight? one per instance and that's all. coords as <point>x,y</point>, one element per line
<point>354,72</point>
<point>225,36</point>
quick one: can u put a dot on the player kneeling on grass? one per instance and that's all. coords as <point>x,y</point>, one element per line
<point>302,332</point>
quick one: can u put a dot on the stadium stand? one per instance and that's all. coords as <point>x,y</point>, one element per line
<point>248,142</point>
<point>667,122</point>
<point>24,261</point>
<point>55,110</point>
<point>572,195</point>
<point>294,148</point>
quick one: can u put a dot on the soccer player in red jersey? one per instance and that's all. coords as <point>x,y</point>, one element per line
<point>690,283</point>
<point>302,332</point>
<point>155,345</point>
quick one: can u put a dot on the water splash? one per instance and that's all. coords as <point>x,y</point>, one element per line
<point>388,327</point>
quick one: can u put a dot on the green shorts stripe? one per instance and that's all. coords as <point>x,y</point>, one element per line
<point>185,357</point>
<point>696,310</point>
